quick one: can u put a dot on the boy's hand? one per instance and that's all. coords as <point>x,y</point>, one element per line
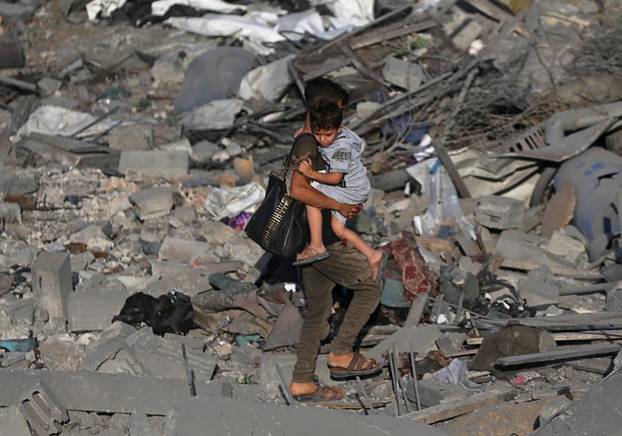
<point>305,168</point>
<point>350,210</point>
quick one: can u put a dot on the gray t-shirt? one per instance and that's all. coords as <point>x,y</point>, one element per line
<point>344,156</point>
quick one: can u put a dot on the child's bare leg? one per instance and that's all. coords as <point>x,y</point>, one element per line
<point>373,256</point>
<point>314,217</point>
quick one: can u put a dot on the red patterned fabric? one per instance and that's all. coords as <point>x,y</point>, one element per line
<point>417,278</point>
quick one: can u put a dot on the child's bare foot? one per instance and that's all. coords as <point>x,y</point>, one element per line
<point>377,262</point>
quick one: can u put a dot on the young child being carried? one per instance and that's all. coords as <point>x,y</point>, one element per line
<point>345,181</point>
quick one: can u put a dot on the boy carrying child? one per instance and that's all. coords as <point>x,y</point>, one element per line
<point>345,179</point>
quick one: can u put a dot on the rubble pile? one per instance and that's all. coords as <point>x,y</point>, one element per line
<point>136,139</point>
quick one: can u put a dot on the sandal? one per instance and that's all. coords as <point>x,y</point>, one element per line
<point>360,366</point>
<point>309,256</point>
<point>322,394</point>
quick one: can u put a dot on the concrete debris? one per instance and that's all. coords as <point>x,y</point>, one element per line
<point>52,285</point>
<point>133,302</point>
<point>153,202</point>
<point>134,137</point>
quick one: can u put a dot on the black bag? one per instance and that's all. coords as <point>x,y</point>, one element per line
<point>279,225</point>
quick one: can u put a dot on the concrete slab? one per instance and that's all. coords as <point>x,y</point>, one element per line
<point>161,357</point>
<point>135,137</point>
<point>13,423</point>
<point>153,202</point>
<point>93,310</point>
<point>183,250</point>
<point>109,393</point>
<point>224,416</point>
<point>156,164</point>
<point>10,213</point>
<point>598,412</point>
<point>52,285</point>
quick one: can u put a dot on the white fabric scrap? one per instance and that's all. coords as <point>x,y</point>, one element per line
<point>55,120</point>
<point>102,8</point>
<point>251,26</point>
<point>161,7</point>
<point>267,82</point>
<point>296,25</point>
<point>357,12</point>
<point>229,202</point>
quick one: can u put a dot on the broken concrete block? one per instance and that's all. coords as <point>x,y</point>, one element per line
<point>511,341</point>
<point>402,73</point>
<point>157,164</point>
<point>419,339</point>
<point>16,11</point>
<point>94,238</point>
<point>61,352</point>
<point>522,251</point>
<point>186,215</point>
<point>109,393</point>
<point>496,212</point>
<point>432,392</point>
<point>10,213</point>
<point>79,262</point>
<point>21,311</point>
<point>183,250</point>
<point>162,357</point>
<point>552,407</point>
<point>52,285</point>
<point>202,152</point>
<point>153,202</point>
<point>12,183</point>
<point>43,410</point>
<point>48,86</point>
<point>563,245</point>
<point>462,29</point>
<point>539,289</point>
<point>135,137</point>
<point>93,310</point>
<point>287,329</point>
<point>13,422</point>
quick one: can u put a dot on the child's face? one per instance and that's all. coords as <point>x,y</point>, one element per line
<point>325,137</point>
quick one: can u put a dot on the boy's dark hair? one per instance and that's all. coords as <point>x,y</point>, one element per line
<point>322,88</point>
<point>325,115</point>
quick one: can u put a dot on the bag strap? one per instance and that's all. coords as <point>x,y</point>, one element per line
<point>286,163</point>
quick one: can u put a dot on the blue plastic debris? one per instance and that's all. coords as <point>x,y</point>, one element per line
<point>19,345</point>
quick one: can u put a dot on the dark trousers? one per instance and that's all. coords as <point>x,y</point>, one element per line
<point>350,269</point>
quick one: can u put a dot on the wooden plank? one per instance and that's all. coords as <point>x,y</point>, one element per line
<point>611,335</point>
<point>452,409</point>
<point>386,34</point>
<point>360,64</point>
<point>561,354</point>
<point>526,265</point>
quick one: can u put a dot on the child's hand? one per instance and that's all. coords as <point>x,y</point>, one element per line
<point>305,168</point>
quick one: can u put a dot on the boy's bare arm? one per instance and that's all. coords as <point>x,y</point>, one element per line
<point>327,178</point>
<point>302,191</point>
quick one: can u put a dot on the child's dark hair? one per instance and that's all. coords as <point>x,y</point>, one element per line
<point>322,88</point>
<point>325,115</point>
